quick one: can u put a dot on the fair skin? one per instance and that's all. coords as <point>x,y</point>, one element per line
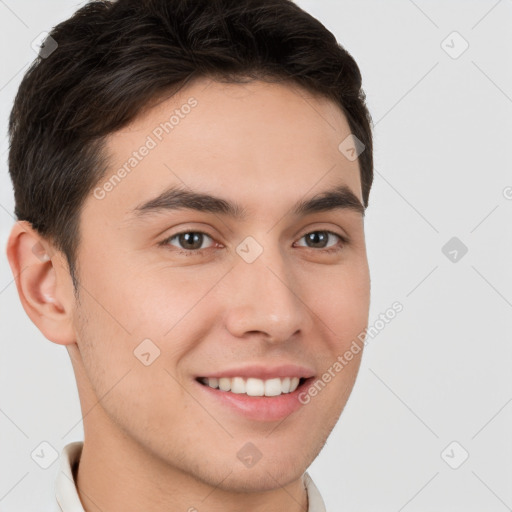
<point>155,438</point>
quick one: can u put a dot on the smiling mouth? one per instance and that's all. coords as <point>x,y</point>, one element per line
<point>254,386</point>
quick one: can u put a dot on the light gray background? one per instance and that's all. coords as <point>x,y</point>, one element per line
<point>440,371</point>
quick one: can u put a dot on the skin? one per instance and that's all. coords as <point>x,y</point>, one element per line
<point>152,442</point>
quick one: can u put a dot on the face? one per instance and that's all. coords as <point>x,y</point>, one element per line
<point>175,288</point>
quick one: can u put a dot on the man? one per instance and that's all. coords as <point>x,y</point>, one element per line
<point>190,180</point>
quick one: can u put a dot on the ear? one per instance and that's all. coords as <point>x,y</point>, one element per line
<point>43,282</point>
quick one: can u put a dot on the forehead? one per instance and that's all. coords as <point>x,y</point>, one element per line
<point>262,143</point>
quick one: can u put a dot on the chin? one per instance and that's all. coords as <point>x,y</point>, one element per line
<point>266,477</point>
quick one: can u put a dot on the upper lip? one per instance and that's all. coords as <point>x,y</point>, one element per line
<point>264,371</point>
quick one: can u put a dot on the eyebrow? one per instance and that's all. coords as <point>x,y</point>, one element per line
<point>178,198</point>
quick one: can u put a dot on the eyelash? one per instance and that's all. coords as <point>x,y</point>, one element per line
<point>201,252</point>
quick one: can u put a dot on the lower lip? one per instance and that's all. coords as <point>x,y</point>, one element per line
<point>259,408</point>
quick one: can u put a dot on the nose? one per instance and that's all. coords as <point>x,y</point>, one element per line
<point>265,299</point>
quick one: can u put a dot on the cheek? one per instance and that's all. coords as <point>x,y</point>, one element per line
<point>123,309</point>
<point>340,299</point>
<point>126,371</point>
<point>138,299</point>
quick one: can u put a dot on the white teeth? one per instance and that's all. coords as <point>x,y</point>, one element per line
<point>237,385</point>
<point>273,387</point>
<point>253,386</point>
<point>224,384</point>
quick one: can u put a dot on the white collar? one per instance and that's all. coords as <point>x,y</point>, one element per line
<point>67,495</point>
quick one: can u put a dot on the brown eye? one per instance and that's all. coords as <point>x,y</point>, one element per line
<point>188,240</point>
<point>317,239</point>
<point>320,239</point>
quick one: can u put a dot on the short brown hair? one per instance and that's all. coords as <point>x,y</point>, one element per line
<point>113,57</point>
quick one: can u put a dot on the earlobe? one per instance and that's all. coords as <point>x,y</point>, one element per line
<point>41,284</point>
